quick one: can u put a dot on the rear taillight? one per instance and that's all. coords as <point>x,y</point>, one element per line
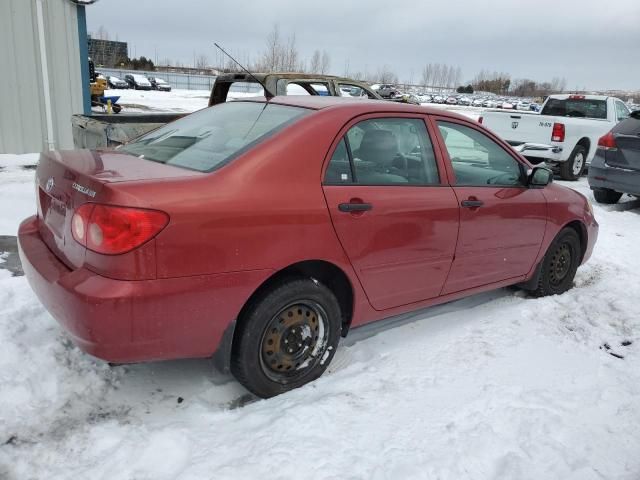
<point>114,230</point>
<point>557,134</point>
<point>479,119</point>
<point>607,142</point>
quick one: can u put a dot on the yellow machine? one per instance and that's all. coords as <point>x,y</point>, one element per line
<point>97,86</point>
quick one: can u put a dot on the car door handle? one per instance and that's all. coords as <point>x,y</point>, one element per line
<point>354,207</point>
<point>472,203</point>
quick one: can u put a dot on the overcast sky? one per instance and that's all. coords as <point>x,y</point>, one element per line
<point>594,44</point>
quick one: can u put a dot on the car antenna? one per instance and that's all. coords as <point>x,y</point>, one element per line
<point>268,95</point>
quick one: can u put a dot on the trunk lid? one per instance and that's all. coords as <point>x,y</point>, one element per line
<point>67,179</point>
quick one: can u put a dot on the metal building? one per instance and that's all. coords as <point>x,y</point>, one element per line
<point>43,73</point>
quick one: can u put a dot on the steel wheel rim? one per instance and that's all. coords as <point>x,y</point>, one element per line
<point>294,341</point>
<point>577,163</point>
<point>560,264</point>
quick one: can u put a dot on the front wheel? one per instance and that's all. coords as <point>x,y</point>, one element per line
<point>286,337</point>
<point>572,169</point>
<point>606,196</point>
<point>560,264</point>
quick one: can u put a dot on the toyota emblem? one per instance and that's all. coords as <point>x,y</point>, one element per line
<point>50,184</point>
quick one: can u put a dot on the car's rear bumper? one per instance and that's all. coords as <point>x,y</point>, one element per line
<point>132,321</point>
<point>603,176</point>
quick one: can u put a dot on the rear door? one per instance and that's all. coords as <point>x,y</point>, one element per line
<point>395,218</point>
<point>502,222</point>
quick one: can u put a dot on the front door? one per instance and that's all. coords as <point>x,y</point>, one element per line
<point>394,218</point>
<point>502,222</point>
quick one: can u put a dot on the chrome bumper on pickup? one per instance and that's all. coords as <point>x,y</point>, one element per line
<point>542,151</point>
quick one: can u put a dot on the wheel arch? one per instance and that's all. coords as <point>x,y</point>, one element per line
<point>586,143</point>
<point>581,230</point>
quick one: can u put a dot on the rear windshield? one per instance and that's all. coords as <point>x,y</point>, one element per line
<point>575,107</point>
<point>208,139</point>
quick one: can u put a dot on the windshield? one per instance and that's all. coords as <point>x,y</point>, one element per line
<point>575,107</point>
<point>212,137</point>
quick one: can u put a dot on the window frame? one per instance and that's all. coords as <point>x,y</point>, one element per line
<point>342,135</point>
<point>525,167</point>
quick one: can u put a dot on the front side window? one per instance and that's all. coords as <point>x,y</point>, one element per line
<point>384,151</point>
<point>208,139</point>
<point>477,160</point>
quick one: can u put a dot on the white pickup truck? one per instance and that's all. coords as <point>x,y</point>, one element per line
<point>564,134</point>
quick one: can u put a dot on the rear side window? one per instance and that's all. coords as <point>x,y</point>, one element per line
<point>384,151</point>
<point>575,107</point>
<point>208,139</point>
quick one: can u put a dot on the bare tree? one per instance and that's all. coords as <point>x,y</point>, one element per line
<point>325,63</point>
<point>202,61</point>
<point>316,60</point>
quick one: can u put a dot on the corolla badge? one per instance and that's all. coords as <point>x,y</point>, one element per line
<point>514,125</point>
<point>50,184</point>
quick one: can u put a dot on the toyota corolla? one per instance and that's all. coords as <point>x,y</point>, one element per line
<point>262,231</point>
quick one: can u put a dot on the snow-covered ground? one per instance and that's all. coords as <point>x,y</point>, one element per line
<point>152,101</point>
<point>495,386</point>
<point>179,101</point>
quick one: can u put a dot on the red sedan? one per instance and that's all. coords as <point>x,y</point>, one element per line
<point>263,231</point>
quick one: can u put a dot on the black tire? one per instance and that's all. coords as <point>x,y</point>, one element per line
<point>607,196</point>
<point>300,314</point>
<point>570,170</point>
<point>560,264</point>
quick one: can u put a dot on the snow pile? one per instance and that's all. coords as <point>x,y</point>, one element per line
<point>17,198</point>
<point>498,385</point>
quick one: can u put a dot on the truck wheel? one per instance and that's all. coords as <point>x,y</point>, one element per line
<point>574,166</point>
<point>559,264</point>
<point>607,196</point>
<point>286,337</point>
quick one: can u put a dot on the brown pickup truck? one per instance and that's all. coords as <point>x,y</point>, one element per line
<point>290,84</point>
<point>104,131</point>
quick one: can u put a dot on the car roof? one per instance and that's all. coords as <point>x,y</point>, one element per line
<point>357,105</point>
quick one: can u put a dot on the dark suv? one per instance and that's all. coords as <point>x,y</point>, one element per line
<point>615,169</point>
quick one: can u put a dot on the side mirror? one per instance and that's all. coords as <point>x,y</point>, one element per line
<point>540,177</point>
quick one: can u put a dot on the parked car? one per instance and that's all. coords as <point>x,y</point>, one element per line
<point>490,103</point>
<point>388,91</point>
<point>137,81</point>
<point>439,99</point>
<point>159,84</point>
<point>535,107</point>
<point>116,83</point>
<point>159,252</point>
<point>451,101</point>
<point>523,105</point>
<point>478,102</point>
<point>615,169</point>
<point>507,104</point>
<point>464,101</point>
<point>565,133</point>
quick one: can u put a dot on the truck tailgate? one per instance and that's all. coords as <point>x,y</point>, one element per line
<point>518,127</point>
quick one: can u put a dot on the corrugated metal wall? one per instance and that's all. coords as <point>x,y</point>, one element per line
<point>22,105</point>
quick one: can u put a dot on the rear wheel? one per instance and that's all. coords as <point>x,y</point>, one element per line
<point>287,337</point>
<point>560,264</point>
<point>607,196</point>
<point>572,169</point>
